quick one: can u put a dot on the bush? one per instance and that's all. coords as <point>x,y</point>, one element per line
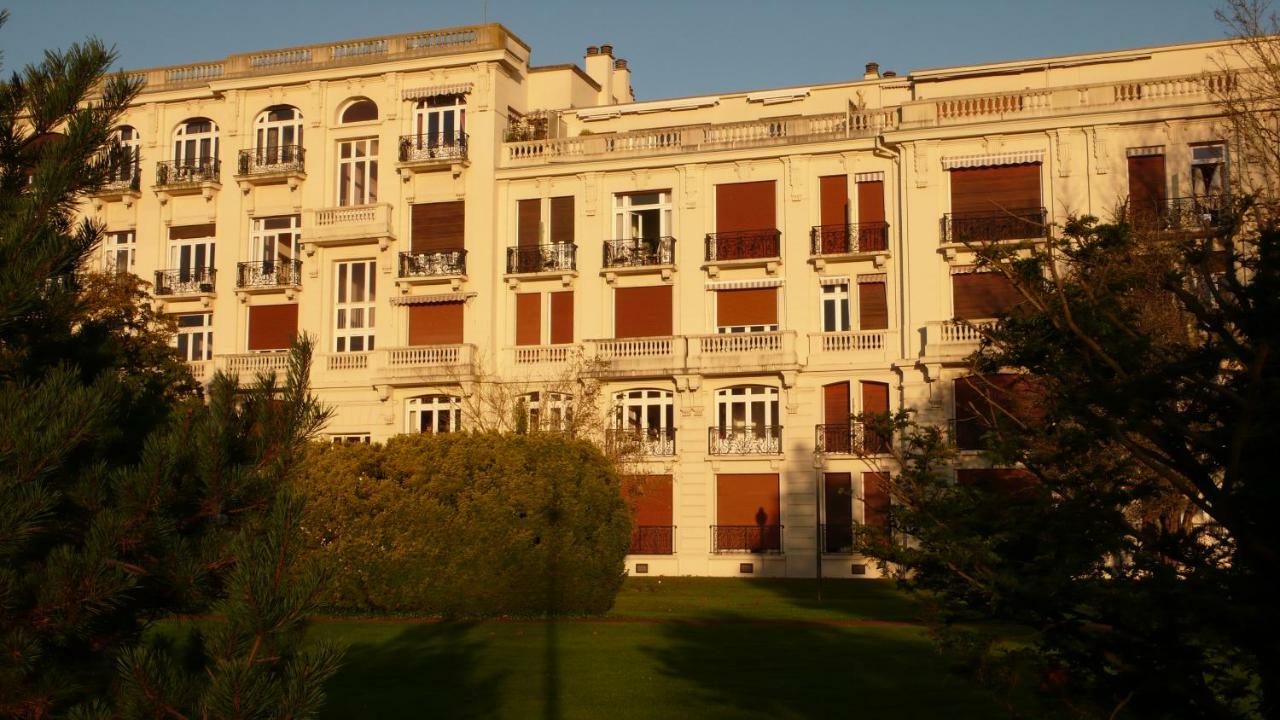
<point>468,524</point>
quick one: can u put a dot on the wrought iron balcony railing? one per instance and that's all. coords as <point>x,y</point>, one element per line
<point>744,245</point>
<point>849,439</point>
<point>185,281</point>
<point>552,257</point>
<point>124,169</point>
<point>746,538</point>
<point>849,239</point>
<point>642,441</point>
<point>440,146</point>
<point>271,159</point>
<point>433,263</point>
<point>185,172</point>
<point>750,440</point>
<point>640,252</point>
<point>653,540</point>
<point>978,228</point>
<point>269,274</point>
<point>1204,213</point>
<point>837,538</point>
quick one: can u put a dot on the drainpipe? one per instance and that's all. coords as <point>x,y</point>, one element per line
<point>893,151</point>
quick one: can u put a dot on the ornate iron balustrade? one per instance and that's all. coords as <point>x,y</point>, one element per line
<point>642,441</point>
<point>978,228</point>
<point>850,238</point>
<point>433,263</point>
<point>185,172</point>
<point>837,538</point>
<point>640,252</point>
<point>744,245</point>
<point>185,281</point>
<point>1208,212</point>
<point>838,438</point>
<point>542,258</point>
<point>124,169</point>
<point>653,540</point>
<point>438,146</point>
<point>271,159</point>
<point>746,538</point>
<point>750,440</point>
<point>269,273</point>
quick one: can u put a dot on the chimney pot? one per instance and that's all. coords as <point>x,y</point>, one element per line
<point>606,50</point>
<point>619,64</point>
<point>873,70</point>
<point>891,73</point>
<point>592,50</point>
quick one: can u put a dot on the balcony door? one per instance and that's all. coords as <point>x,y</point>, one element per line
<point>433,414</point>
<point>642,216</point>
<point>276,128</point>
<point>195,143</point>
<point>355,303</point>
<point>358,172</point>
<point>646,414</point>
<point>440,120</point>
<point>747,409</point>
<point>191,250</point>
<point>275,239</point>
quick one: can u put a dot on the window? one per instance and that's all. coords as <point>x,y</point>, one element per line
<point>646,417</point>
<point>835,308</point>
<point>275,240</point>
<point>550,411</point>
<point>642,216</point>
<point>124,155</point>
<point>1208,169</point>
<point>350,439</point>
<point>558,321</point>
<point>355,295</point>
<point>441,119</point>
<point>981,295</point>
<point>747,310</point>
<point>121,251</point>
<point>358,172</point>
<point>746,421</point>
<point>195,336</point>
<point>278,135</point>
<point>873,302</point>
<point>433,414</point>
<point>360,110</point>
<point>191,250</point>
<point>195,143</point>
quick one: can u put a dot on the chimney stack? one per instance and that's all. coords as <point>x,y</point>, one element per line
<point>599,67</point>
<point>622,82</point>
<point>873,71</point>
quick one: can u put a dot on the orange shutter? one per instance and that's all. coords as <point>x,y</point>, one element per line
<point>834,192</point>
<point>272,327</point>
<point>982,295</point>
<point>875,499</point>
<point>529,318</point>
<point>435,324</point>
<point>1147,185</point>
<point>745,206</point>
<point>838,492</point>
<point>561,317</point>
<point>875,402</point>
<point>438,226</point>
<point>651,498</point>
<point>835,403</point>
<point>992,190</point>
<point>562,219</point>
<point>747,500</point>
<point>192,232</point>
<point>528,222</point>
<point>753,306</point>
<point>871,201</point>
<point>873,306</point>
<point>642,311</point>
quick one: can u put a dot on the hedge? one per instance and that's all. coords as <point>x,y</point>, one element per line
<point>465,524</point>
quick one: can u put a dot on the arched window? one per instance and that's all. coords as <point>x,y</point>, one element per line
<point>433,414</point>
<point>277,135</point>
<point>360,110</point>
<point>548,411</point>
<point>195,142</point>
<point>747,421</point>
<point>644,420</point>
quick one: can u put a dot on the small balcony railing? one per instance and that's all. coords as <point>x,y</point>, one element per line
<point>849,239</point>
<point>433,263</point>
<point>188,172</point>
<point>438,146</point>
<point>978,228</point>
<point>642,441</point>
<point>185,281</point>
<point>269,274</point>
<point>837,538</point>
<point>653,540</point>
<point>640,252</point>
<point>270,160</point>
<point>743,245</point>
<point>750,440</point>
<point>746,538</point>
<point>848,439</point>
<point>1207,212</point>
<point>553,257</point>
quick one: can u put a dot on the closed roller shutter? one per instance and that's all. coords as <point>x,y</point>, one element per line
<point>834,191</point>
<point>529,318</point>
<point>272,327</point>
<point>642,311</point>
<point>747,499</point>
<point>1147,185</point>
<point>875,500</point>
<point>745,206</point>
<point>983,295</point>
<point>561,317</point>
<point>992,190</point>
<point>435,324</point>
<point>751,306</point>
<point>529,222</point>
<point>875,402</point>
<point>438,226</point>
<point>562,219</point>
<point>873,305</point>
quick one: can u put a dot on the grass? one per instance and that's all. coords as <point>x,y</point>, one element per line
<point>671,648</point>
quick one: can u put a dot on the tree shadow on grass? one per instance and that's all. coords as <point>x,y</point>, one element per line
<point>427,670</point>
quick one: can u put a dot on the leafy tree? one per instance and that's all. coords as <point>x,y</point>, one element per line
<point>125,498</point>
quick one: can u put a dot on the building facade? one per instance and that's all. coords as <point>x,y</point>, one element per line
<point>470,237</point>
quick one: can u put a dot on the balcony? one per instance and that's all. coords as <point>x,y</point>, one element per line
<point>746,538</point>
<point>268,275</point>
<point>1185,215</point>
<point>837,539</point>
<point>348,225</point>
<point>849,438</point>
<point>982,228</point>
<point>638,357</point>
<point>746,440</point>
<point>742,353</point>
<point>425,364</point>
<point>437,266</point>
<point>544,354</point>
<point>646,442</point>
<point>535,259</point>
<point>185,281</point>
<point>653,540</point>
<point>249,365</point>
<point>744,247</point>
<point>640,253</point>
<point>189,177</point>
<point>271,164</point>
<point>123,181</point>
<point>841,349</point>
<point>954,337</point>
<point>345,361</point>
<point>432,152</point>
<point>201,370</point>
<point>851,239</point>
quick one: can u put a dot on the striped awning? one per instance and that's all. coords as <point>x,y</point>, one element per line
<point>869,177</point>
<point>1143,151</point>
<point>1009,158</point>
<point>429,299</point>
<point>873,278</point>
<point>833,280</point>
<point>419,93</point>
<point>744,284</point>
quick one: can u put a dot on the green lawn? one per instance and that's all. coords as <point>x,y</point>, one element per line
<point>672,648</point>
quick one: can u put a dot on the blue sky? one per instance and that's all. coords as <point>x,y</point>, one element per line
<point>675,48</point>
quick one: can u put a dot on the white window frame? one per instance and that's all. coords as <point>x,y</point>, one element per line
<point>260,237</point>
<point>194,147</point>
<point>346,334</point>
<point>285,132</point>
<point>836,295</point>
<point>360,165</point>
<point>455,114</point>
<point>114,249</point>
<point>759,402</point>
<point>625,209</point>
<point>548,410</point>
<point>433,414</point>
<point>631,409</point>
<point>1220,177</point>
<point>350,438</point>
<point>194,340</point>
<point>189,260</point>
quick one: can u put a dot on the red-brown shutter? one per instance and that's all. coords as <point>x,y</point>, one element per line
<point>982,400</point>
<point>1005,481</point>
<point>745,206</point>
<point>838,494</point>
<point>982,295</point>
<point>875,402</point>
<point>272,327</point>
<point>992,190</point>
<point>438,226</point>
<point>435,324</point>
<point>873,306</point>
<point>562,219</point>
<point>1147,185</point>
<point>835,403</point>
<point>871,201</point>
<point>834,202</point>
<point>651,498</point>
<point>561,317</point>
<point>750,306</point>
<point>642,311</point>
<point>528,222</point>
<point>193,232</point>
<point>747,499</point>
<point>529,318</point>
<point>875,499</point>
